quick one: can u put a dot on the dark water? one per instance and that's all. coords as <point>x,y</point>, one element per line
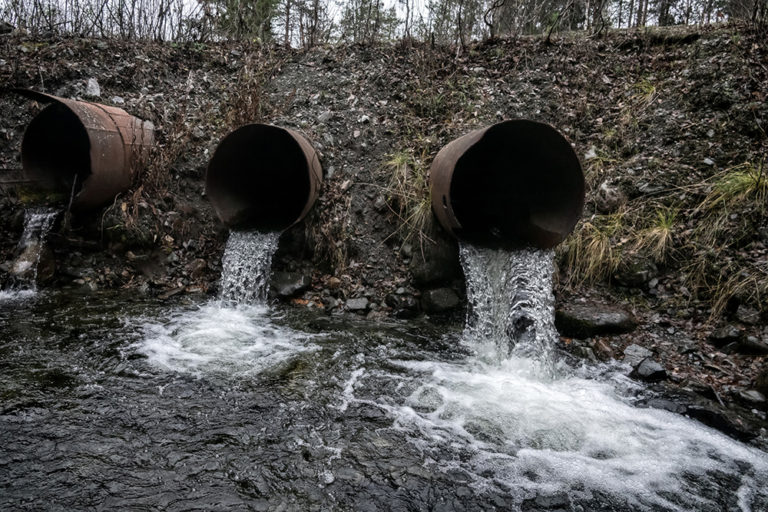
<point>109,401</point>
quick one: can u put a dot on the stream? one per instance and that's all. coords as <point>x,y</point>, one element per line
<point>115,401</point>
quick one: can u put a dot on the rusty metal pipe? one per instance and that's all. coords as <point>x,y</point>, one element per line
<point>263,177</point>
<point>514,184</point>
<point>91,148</point>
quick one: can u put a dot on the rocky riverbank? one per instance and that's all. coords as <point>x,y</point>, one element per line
<point>670,126</point>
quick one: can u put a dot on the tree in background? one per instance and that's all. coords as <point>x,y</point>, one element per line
<point>246,19</point>
<point>367,21</point>
<point>307,23</point>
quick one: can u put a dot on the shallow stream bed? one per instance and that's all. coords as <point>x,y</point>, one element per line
<point>110,401</point>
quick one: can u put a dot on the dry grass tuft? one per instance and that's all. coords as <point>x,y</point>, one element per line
<point>409,195</point>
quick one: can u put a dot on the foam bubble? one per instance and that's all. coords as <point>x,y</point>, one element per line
<point>235,341</point>
<point>572,434</point>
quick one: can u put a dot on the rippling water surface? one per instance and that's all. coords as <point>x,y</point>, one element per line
<point>108,401</point>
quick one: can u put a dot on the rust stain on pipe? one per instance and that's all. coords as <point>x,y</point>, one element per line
<point>263,177</point>
<point>514,184</point>
<point>93,148</point>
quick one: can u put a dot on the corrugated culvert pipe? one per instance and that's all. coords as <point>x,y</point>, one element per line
<point>87,150</point>
<point>263,177</point>
<point>514,184</point>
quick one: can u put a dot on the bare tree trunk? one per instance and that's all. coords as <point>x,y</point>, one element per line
<point>287,35</point>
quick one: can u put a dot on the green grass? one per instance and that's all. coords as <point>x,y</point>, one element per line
<point>740,186</point>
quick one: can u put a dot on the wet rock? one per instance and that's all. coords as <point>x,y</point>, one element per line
<point>602,350</point>
<point>553,502</point>
<point>725,335</point>
<point>649,371</point>
<point>289,284</point>
<point>438,264</point>
<point>636,273</point>
<point>587,320</point>
<point>92,88</point>
<point>403,306</point>
<point>751,397</point>
<point>634,354</point>
<point>439,300</point>
<point>761,382</point>
<point>36,263</point>
<point>748,315</point>
<point>359,304</point>
<point>718,421</point>
<point>609,198</point>
<point>664,404</point>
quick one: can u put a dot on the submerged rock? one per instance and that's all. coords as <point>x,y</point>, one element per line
<point>553,502</point>
<point>587,320</point>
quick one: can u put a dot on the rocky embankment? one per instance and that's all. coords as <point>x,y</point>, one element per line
<point>667,271</point>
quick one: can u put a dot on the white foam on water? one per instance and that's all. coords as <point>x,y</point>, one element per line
<point>217,339</point>
<point>510,418</point>
<point>16,295</point>
<point>570,434</point>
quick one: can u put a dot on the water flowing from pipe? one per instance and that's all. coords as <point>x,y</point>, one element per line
<point>512,307</point>
<point>246,266</point>
<point>37,225</point>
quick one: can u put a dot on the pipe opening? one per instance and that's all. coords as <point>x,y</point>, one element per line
<point>519,184</point>
<point>259,178</point>
<point>56,149</point>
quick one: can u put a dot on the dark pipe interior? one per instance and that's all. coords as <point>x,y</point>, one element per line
<point>55,149</point>
<point>521,184</point>
<point>258,178</point>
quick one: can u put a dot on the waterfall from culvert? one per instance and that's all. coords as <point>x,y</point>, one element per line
<point>37,224</point>
<point>246,266</point>
<point>511,303</point>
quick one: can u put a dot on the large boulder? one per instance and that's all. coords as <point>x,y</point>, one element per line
<point>591,319</point>
<point>439,300</point>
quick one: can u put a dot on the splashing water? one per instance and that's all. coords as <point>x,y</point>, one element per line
<point>246,266</point>
<point>236,342</point>
<point>37,224</point>
<point>511,303</point>
<point>507,419</point>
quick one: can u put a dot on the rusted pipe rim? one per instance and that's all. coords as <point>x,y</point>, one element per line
<point>514,184</point>
<point>263,177</point>
<point>91,149</point>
